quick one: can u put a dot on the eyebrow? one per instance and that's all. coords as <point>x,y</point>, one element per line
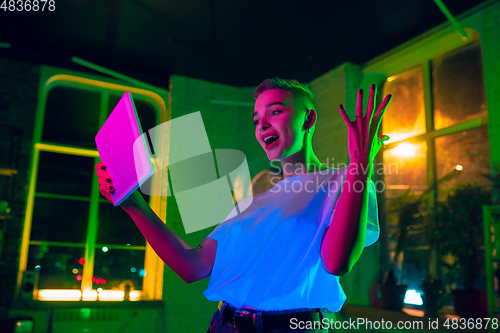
<point>269,105</point>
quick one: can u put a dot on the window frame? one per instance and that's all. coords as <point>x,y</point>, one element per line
<point>420,52</point>
<point>54,77</point>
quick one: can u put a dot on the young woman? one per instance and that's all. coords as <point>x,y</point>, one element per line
<point>276,265</point>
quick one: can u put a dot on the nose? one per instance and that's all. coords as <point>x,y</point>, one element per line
<point>263,125</point>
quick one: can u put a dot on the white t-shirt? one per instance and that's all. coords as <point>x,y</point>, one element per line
<point>268,256</point>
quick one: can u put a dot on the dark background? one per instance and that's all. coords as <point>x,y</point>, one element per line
<point>232,42</point>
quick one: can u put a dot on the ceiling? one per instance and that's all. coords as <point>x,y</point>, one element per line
<point>239,43</point>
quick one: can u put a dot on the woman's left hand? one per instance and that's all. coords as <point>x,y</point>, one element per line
<point>363,138</point>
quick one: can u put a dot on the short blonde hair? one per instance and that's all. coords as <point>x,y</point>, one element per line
<point>293,86</point>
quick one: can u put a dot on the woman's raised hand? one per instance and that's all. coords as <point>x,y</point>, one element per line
<point>363,138</point>
<point>105,181</point>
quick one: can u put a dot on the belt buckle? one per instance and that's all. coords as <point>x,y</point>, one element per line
<point>243,320</point>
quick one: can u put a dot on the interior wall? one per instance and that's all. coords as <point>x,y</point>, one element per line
<point>330,138</point>
<point>490,43</point>
<point>227,116</point>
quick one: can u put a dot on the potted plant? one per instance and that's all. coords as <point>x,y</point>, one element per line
<point>432,297</point>
<point>458,234</point>
<point>406,205</point>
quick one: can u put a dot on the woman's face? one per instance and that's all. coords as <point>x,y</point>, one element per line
<point>279,123</point>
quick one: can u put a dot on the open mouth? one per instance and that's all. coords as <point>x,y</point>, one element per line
<point>271,140</point>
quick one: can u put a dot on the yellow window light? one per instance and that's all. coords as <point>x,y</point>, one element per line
<point>405,150</point>
<point>111,295</point>
<point>59,295</point>
<point>89,295</point>
<point>135,295</point>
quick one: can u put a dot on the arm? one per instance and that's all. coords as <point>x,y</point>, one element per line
<point>190,264</point>
<point>343,243</point>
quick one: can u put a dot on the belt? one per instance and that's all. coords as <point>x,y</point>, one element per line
<point>247,319</point>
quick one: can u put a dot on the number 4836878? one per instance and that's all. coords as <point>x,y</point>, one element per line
<point>28,5</point>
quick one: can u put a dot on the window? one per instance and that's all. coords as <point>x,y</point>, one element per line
<point>458,86</point>
<point>408,89</point>
<point>437,123</point>
<point>74,238</point>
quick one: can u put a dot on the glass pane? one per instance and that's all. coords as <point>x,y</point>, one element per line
<point>469,149</point>
<point>146,113</point>
<point>58,266</point>
<point>405,115</point>
<point>65,174</point>
<point>458,86</point>
<point>404,168</point>
<point>71,117</point>
<point>117,228</point>
<point>118,267</point>
<point>415,266</point>
<point>59,220</point>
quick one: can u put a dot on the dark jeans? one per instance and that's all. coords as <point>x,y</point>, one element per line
<point>218,325</point>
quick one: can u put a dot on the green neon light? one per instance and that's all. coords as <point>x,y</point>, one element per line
<point>118,75</point>
<point>450,18</point>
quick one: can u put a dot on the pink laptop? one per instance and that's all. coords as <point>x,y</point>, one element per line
<point>127,159</point>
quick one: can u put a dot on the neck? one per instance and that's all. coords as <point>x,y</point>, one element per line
<point>301,162</point>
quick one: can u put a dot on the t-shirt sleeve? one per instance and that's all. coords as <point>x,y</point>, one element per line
<point>372,227</point>
<point>222,228</point>
<point>217,233</point>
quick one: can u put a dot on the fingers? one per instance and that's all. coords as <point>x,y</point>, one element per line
<point>344,115</point>
<point>101,170</point>
<point>384,138</point>
<point>383,106</point>
<point>102,173</point>
<point>359,104</point>
<point>377,118</point>
<point>371,102</point>
<point>100,166</point>
<point>105,192</point>
<point>359,115</point>
<point>107,184</point>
